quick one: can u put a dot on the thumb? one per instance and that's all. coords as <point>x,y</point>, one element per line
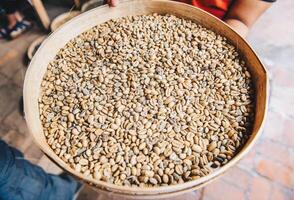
<point>112,2</point>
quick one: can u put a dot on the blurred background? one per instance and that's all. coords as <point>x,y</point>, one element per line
<point>266,173</point>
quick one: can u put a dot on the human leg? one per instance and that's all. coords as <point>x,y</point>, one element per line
<point>22,180</point>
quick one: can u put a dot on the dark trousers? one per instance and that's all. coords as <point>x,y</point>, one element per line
<point>10,6</point>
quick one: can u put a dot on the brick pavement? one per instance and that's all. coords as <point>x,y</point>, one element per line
<point>266,172</point>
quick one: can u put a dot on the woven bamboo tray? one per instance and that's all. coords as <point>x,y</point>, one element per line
<point>91,5</point>
<point>85,21</point>
<point>62,19</point>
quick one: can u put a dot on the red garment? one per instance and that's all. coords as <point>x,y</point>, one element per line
<point>217,8</point>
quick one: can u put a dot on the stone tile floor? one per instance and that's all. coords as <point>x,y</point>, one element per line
<point>267,172</point>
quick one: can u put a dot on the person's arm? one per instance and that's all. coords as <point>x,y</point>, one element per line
<point>244,13</point>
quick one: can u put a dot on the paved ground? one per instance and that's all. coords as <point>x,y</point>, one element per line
<point>267,172</point>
